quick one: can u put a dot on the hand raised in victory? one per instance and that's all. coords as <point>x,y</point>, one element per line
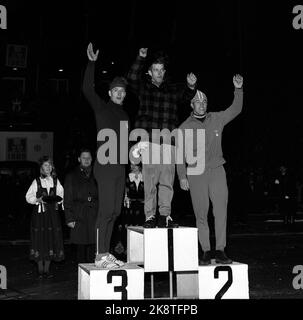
<point>238,81</point>
<point>191,79</point>
<point>143,52</point>
<point>90,53</point>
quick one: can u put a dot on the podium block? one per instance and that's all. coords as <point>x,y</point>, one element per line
<point>221,281</point>
<point>187,285</point>
<point>135,245</point>
<point>162,249</point>
<point>125,283</point>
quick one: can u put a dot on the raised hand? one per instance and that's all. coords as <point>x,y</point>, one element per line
<point>191,79</point>
<point>238,81</point>
<point>90,53</point>
<point>143,52</point>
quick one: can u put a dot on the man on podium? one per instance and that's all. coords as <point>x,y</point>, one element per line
<point>211,183</point>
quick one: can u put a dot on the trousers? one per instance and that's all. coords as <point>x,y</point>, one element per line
<point>111,183</point>
<point>158,178</point>
<point>211,184</point>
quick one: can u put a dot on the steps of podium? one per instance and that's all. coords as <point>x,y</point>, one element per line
<point>162,250</point>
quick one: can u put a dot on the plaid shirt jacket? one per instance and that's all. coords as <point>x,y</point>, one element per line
<point>158,105</point>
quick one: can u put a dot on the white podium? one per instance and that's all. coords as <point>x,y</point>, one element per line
<point>223,281</point>
<point>125,283</point>
<point>163,249</point>
<point>170,250</point>
<point>167,250</point>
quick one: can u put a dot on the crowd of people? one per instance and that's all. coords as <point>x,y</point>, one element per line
<point>95,194</point>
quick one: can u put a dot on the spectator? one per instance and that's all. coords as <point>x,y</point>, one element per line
<point>45,193</point>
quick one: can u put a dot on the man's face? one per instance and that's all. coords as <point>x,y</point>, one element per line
<point>85,159</point>
<point>200,107</point>
<point>157,73</point>
<point>117,95</point>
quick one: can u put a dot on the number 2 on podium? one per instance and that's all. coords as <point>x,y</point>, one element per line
<point>227,284</point>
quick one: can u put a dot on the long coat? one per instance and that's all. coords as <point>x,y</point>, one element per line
<point>81,206</point>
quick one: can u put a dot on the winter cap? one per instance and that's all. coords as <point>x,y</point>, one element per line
<point>199,96</point>
<point>118,82</point>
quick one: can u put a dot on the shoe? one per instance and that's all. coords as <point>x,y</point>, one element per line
<point>206,258</point>
<point>48,275</point>
<point>222,258</point>
<point>166,222</point>
<point>102,262</point>
<point>40,276</point>
<point>150,222</point>
<point>111,258</point>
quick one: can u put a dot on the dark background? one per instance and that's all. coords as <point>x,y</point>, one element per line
<point>213,39</point>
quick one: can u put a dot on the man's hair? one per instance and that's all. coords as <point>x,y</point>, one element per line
<point>84,150</point>
<point>159,57</point>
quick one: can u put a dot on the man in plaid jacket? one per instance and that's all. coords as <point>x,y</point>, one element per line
<point>158,110</point>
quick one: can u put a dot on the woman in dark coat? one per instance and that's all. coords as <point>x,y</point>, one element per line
<point>45,193</point>
<point>81,207</point>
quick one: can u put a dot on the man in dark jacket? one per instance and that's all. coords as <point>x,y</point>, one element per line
<point>81,207</point>
<point>112,122</point>
<point>210,182</point>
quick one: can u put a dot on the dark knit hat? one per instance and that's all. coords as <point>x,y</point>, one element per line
<point>118,82</point>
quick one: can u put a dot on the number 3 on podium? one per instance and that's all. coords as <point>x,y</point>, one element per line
<point>124,281</point>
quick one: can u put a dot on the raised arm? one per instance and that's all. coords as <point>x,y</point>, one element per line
<point>89,79</point>
<point>236,107</point>
<point>134,76</point>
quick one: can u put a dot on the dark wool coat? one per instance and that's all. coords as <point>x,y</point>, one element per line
<point>81,206</point>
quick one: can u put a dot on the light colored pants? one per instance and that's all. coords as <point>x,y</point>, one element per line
<point>211,184</point>
<point>164,174</point>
